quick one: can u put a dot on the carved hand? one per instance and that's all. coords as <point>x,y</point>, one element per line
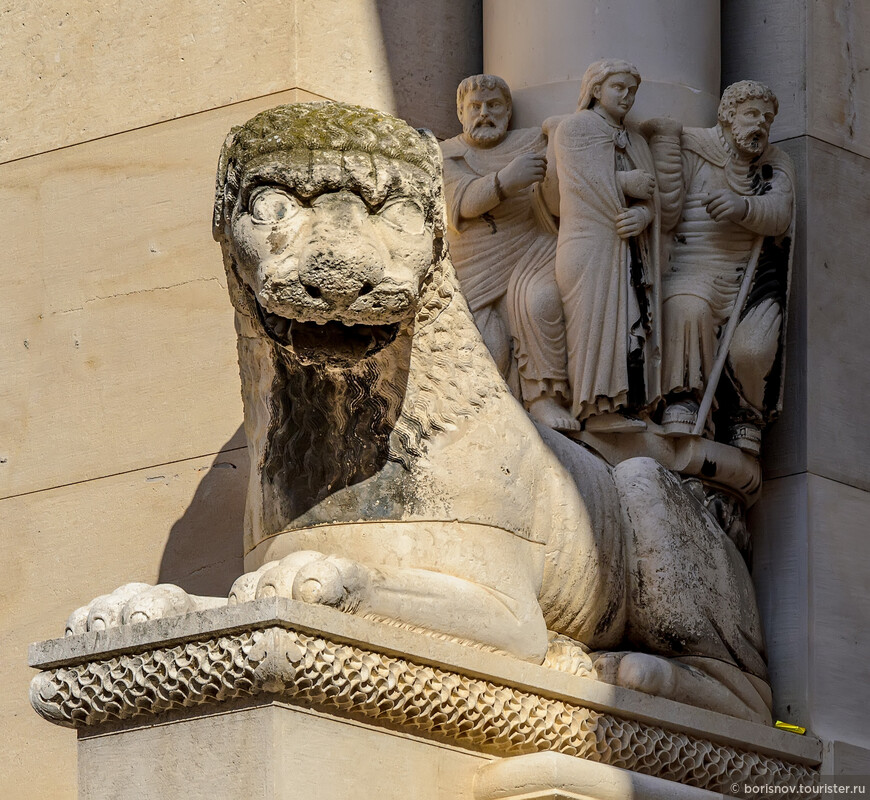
<point>631,222</point>
<point>523,171</point>
<point>661,126</point>
<point>637,183</point>
<point>725,205</point>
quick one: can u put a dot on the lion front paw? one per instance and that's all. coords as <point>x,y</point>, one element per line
<point>308,576</point>
<point>133,603</point>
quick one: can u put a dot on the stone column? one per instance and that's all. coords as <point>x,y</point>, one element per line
<point>812,560</point>
<point>542,50</point>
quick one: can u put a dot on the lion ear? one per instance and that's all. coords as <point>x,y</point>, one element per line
<point>220,189</point>
<point>440,210</point>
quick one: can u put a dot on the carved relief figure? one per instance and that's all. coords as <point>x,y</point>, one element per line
<point>393,475</point>
<point>737,211</point>
<point>601,183</point>
<point>502,249</point>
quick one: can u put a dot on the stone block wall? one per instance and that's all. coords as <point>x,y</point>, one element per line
<point>121,453</point>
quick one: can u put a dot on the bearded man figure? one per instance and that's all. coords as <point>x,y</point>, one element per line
<point>503,245</point>
<point>737,205</point>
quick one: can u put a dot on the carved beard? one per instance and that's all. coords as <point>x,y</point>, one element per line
<point>331,427</point>
<point>750,140</point>
<point>485,132</point>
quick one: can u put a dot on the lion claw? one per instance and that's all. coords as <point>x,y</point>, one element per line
<point>133,603</point>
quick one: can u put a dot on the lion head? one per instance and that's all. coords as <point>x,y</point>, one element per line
<point>330,216</point>
<point>355,346</point>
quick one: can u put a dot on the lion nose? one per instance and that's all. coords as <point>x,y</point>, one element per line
<point>340,275</point>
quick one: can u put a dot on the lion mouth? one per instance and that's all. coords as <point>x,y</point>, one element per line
<point>328,341</point>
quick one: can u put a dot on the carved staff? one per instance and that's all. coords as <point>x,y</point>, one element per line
<point>727,336</point>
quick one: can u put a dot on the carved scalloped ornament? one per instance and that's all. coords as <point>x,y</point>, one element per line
<point>382,689</point>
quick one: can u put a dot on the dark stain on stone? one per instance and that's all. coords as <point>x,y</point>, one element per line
<point>708,468</point>
<point>277,241</point>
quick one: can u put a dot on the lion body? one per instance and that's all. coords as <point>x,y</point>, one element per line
<point>440,471</point>
<point>392,472</point>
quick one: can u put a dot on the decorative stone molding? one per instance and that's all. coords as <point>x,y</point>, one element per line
<point>304,668</point>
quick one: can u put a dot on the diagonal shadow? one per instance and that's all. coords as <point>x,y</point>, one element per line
<point>430,47</point>
<point>204,551</point>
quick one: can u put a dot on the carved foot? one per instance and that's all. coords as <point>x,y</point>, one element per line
<point>680,417</point>
<point>136,602</point>
<point>746,436</point>
<point>614,422</point>
<point>646,673</point>
<point>308,576</point>
<point>548,412</point>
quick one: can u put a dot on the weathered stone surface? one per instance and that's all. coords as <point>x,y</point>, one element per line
<point>114,306</point>
<point>768,41</point>
<point>811,543</point>
<point>839,623</point>
<point>553,776</point>
<point>814,56</point>
<point>270,752</point>
<point>838,74</point>
<point>503,246</point>
<point>601,183</point>
<point>842,758</point>
<point>165,61</point>
<point>177,59</point>
<point>330,218</point>
<point>179,522</point>
<point>810,54</point>
<point>336,663</point>
<point>779,570</point>
<point>785,443</point>
<point>399,57</point>
<point>822,429</point>
<point>838,340</point>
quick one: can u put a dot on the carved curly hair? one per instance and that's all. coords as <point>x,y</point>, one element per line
<point>742,91</point>
<point>312,127</point>
<point>474,82</point>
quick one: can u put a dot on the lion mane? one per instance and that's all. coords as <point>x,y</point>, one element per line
<point>333,428</point>
<point>313,429</point>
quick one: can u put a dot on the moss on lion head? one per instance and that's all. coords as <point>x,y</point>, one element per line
<point>325,126</point>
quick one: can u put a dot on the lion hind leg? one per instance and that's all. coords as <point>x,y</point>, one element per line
<point>694,680</point>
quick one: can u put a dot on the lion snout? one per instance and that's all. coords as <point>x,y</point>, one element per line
<point>339,275</point>
<point>386,303</point>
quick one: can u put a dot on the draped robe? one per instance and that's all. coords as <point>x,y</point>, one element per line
<point>708,258</point>
<point>593,266</point>
<point>506,250</point>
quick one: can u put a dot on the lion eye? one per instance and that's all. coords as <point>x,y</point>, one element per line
<point>268,204</point>
<point>404,215</point>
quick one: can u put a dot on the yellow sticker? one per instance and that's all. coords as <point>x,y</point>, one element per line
<point>787,726</point>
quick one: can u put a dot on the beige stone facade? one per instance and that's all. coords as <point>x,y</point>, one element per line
<point>121,453</point>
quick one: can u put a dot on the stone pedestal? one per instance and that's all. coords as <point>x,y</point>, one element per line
<point>277,699</point>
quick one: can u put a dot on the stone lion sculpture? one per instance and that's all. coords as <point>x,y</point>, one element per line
<point>393,474</point>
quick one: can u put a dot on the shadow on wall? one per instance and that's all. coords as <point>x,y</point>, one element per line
<point>430,48</point>
<point>204,552</point>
